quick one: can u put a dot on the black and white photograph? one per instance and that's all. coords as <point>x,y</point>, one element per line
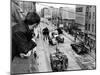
<point>52,37</point>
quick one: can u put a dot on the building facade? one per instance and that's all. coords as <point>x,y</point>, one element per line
<point>28,6</point>
<point>90,27</point>
<point>80,16</point>
<point>67,17</point>
<point>51,14</point>
<point>67,12</point>
<point>91,20</point>
<point>86,20</point>
<point>86,17</point>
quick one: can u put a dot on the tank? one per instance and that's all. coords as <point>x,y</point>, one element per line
<point>59,61</point>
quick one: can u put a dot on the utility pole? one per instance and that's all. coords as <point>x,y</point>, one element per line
<point>34,7</point>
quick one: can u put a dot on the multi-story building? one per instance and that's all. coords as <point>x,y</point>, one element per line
<point>86,20</point>
<point>91,20</point>
<point>90,27</point>
<point>80,17</point>
<point>50,13</point>
<point>67,16</point>
<point>67,12</point>
<point>55,15</point>
<point>62,15</point>
<point>28,6</point>
<point>47,13</point>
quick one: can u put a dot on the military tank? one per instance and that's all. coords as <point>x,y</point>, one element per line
<point>59,61</point>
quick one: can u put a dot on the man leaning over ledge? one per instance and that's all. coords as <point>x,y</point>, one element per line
<point>22,34</point>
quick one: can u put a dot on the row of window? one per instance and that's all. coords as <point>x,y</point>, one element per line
<point>88,27</point>
<point>88,14</point>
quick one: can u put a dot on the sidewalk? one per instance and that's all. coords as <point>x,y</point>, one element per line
<point>43,53</point>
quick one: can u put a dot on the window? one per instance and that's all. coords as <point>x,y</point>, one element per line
<point>92,27</point>
<point>93,15</point>
<point>89,27</point>
<point>80,9</point>
<point>89,15</point>
<point>86,27</point>
<point>87,8</point>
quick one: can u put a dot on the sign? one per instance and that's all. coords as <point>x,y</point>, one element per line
<point>80,9</point>
<point>61,25</point>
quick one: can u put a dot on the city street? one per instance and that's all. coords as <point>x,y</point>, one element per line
<point>45,53</point>
<point>43,50</point>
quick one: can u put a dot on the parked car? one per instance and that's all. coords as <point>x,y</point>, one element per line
<point>54,38</point>
<point>79,48</point>
<point>59,61</point>
<point>59,31</point>
<point>60,39</point>
<point>52,41</point>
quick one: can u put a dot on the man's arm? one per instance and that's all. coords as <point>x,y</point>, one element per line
<point>23,44</point>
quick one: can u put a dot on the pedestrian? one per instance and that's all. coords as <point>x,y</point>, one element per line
<point>59,31</point>
<point>22,34</point>
<point>35,54</point>
<point>75,36</point>
<point>45,32</point>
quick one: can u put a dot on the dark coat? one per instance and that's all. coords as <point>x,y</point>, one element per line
<point>46,31</point>
<point>21,39</point>
<point>59,31</point>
